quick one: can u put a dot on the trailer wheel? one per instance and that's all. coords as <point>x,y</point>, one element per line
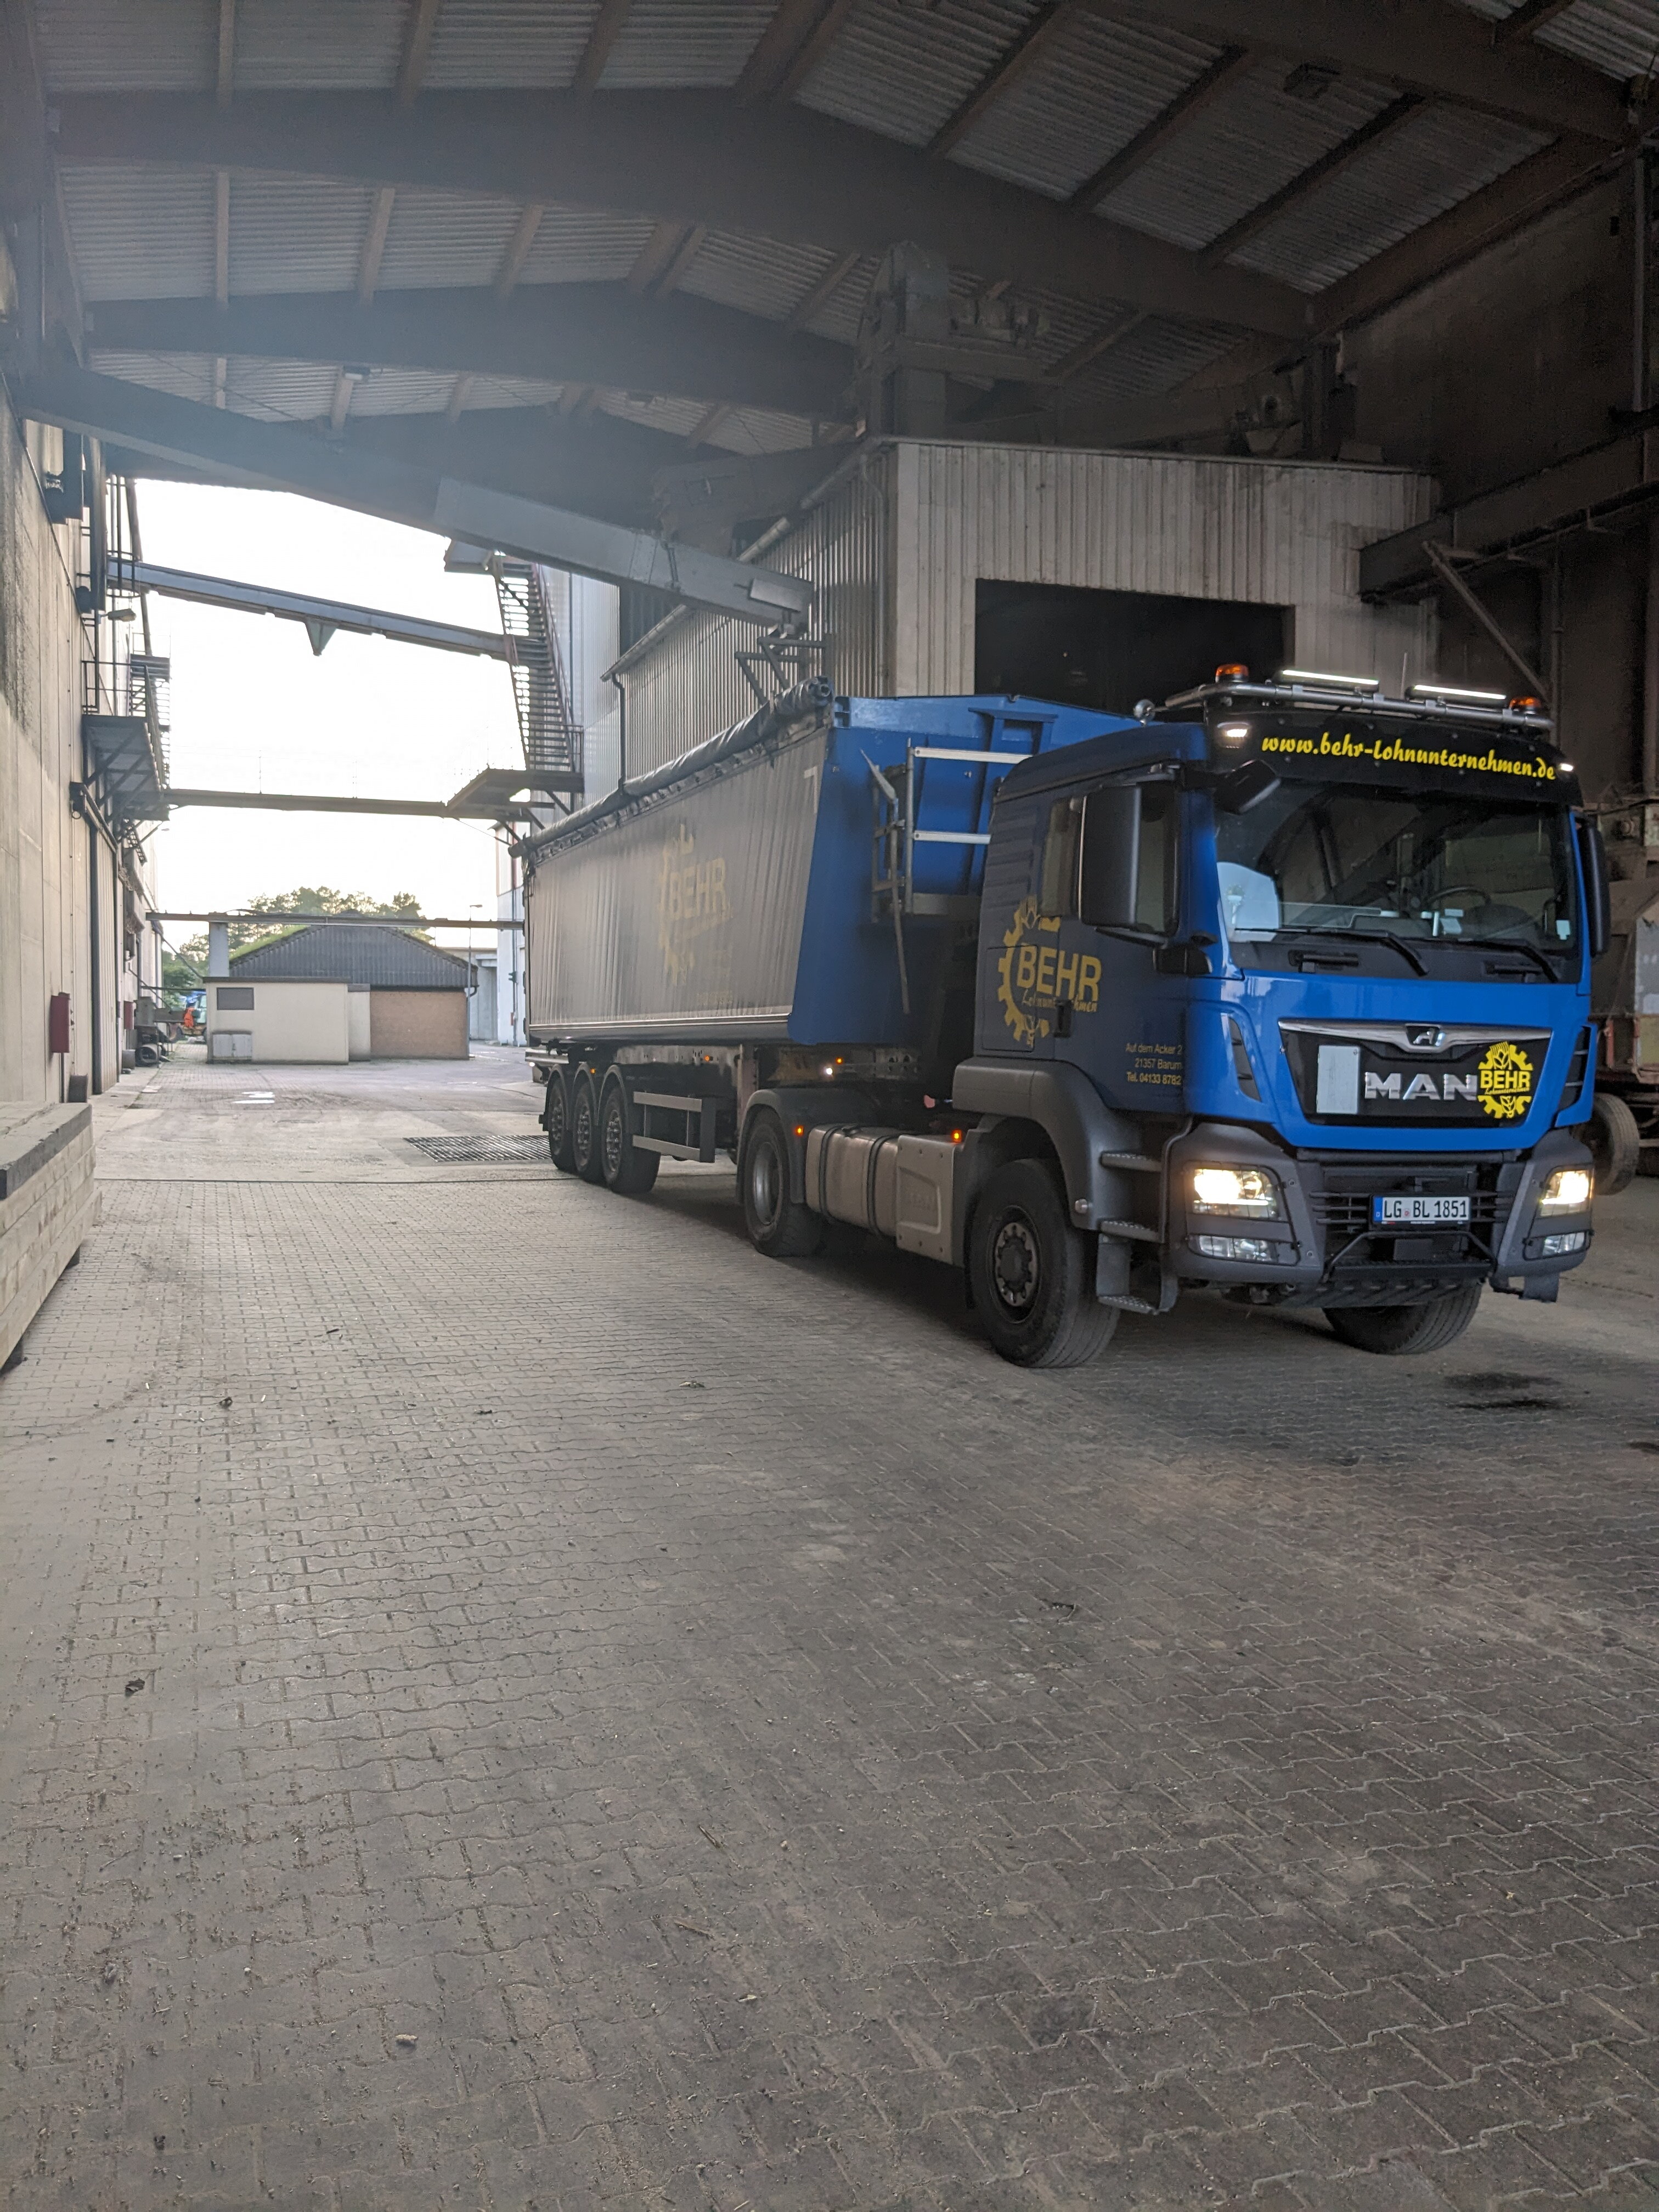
<point>1030,1272</point>
<point>585,1130</point>
<point>1400,1329</point>
<point>628,1171</point>
<point>1615,1144</point>
<point>777,1224</point>
<point>556,1119</point>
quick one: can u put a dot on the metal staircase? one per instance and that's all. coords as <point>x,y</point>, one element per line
<point>552,737</point>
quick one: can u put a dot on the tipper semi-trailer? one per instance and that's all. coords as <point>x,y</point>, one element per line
<point>1279,991</point>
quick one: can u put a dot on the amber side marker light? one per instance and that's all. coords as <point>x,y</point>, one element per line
<point>956,1136</point>
<point>1232,671</point>
<point>1525,705</point>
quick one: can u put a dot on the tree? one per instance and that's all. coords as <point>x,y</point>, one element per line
<point>304,898</point>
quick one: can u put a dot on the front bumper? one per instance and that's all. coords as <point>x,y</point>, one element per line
<point>1324,1250</point>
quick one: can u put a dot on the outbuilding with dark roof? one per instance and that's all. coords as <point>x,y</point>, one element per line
<point>406,1000</point>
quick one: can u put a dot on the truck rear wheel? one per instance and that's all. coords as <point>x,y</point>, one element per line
<point>585,1130</point>
<point>556,1119</point>
<point>1615,1144</point>
<point>1398,1330</point>
<point>628,1171</point>
<point>778,1224</point>
<point>1031,1272</point>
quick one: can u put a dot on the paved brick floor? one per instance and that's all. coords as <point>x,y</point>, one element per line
<point>511,1700</point>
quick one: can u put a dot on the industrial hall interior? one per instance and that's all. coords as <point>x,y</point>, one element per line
<point>828,1105</point>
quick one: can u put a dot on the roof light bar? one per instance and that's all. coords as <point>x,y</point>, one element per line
<point>1320,676</point>
<point>1456,691</point>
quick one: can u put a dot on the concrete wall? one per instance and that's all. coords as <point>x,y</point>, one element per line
<point>418,1024</point>
<point>1511,362</point>
<point>45,850</point>
<point>357,1025</point>
<point>288,1020</point>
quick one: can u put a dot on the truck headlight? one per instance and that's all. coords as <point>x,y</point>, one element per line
<point>1567,1191</point>
<point>1236,1190</point>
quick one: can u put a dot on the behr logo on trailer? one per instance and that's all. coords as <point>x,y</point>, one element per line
<point>690,901</point>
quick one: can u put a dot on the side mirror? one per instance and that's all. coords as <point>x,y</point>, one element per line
<point>1598,897</point>
<point>1245,786</point>
<point>1108,872</point>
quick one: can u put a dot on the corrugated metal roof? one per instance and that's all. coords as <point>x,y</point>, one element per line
<point>186,375</point>
<point>904,69</point>
<point>1619,36</point>
<point>127,45</point>
<point>533,44</point>
<point>296,234</point>
<point>1097,83</point>
<point>278,391</point>
<point>683,42</point>
<point>445,238</point>
<point>304,46</point>
<point>1238,151</point>
<point>759,275</point>
<point>1429,165</point>
<point>359,953</point>
<point>576,246</point>
<point>140,234</point>
<point>400,391</point>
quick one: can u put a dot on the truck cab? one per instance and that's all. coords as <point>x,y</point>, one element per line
<point>1301,973</point>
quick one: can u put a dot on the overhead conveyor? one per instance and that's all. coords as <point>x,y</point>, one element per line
<point>276,458</point>
<point>321,618</point>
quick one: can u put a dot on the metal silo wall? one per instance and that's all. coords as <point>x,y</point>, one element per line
<point>687,684</point>
<point>1274,533</point>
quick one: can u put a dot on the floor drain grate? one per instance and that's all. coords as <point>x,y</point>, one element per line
<point>482,1151</point>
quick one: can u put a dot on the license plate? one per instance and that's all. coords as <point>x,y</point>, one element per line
<point>1415,1212</point>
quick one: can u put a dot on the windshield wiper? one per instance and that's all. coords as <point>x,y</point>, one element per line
<point>1388,936</point>
<point>1510,945</point>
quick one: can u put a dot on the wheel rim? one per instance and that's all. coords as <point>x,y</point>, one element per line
<point>557,1120</point>
<point>765,1182</point>
<point>614,1136</point>
<point>582,1132</point>
<point>1016,1264</point>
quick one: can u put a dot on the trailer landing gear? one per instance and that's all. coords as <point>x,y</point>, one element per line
<point>1033,1274</point>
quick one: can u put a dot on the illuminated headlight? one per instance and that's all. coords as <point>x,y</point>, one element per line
<point>1567,1191</point>
<point>1236,1190</point>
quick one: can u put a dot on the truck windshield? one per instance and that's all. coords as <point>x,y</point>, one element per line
<point>1349,859</point>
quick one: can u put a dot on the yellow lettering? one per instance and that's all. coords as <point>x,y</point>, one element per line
<point>1025,973</point>
<point>1045,973</point>
<point>1088,982</point>
<point>717,884</point>
<point>1065,975</point>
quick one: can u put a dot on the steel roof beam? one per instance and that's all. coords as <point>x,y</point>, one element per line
<point>287,459</point>
<point>682,347</point>
<point>1431,47</point>
<point>321,618</point>
<point>693,157</point>
<point>302,802</point>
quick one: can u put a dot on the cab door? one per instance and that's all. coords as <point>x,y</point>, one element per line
<point>1115,1010</point>
<point>1006,1016</point>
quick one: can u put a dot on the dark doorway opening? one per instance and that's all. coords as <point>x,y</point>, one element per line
<point>1108,649</point>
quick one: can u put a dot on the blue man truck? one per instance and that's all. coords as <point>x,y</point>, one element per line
<point>1278,992</point>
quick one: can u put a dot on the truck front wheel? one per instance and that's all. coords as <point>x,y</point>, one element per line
<point>629,1171</point>
<point>1031,1272</point>
<point>778,1224</point>
<point>1397,1329</point>
<point>585,1130</point>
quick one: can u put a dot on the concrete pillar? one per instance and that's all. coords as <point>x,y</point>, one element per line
<point>218,947</point>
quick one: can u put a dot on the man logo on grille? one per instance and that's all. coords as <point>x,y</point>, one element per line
<point>1506,1076</point>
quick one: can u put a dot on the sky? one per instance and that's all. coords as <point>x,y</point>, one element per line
<point>252,709</point>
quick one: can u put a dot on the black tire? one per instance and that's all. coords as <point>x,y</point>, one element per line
<point>1396,1330</point>
<point>1615,1144</point>
<point>585,1129</point>
<point>628,1171</point>
<point>1032,1272</point>
<point>556,1119</point>
<point>778,1224</point>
